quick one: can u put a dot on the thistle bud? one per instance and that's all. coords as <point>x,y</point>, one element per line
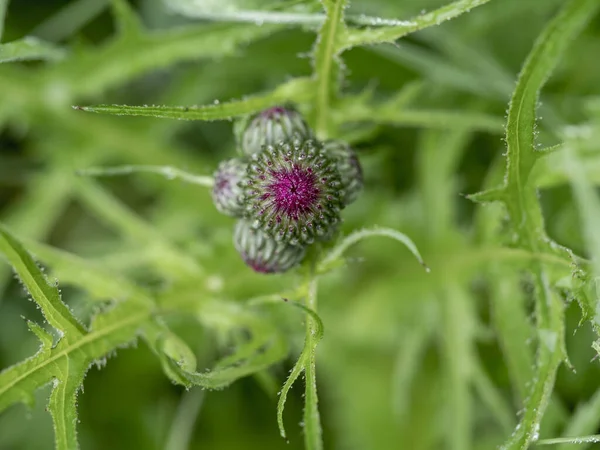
<point>227,192</point>
<point>293,192</point>
<point>272,126</point>
<point>349,168</point>
<point>262,252</point>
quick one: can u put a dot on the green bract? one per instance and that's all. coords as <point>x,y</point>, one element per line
<point>294,191</point>
<point>227,193</point>
<point>263,253</point>
<point>349,167</point>
<point>270,127</point>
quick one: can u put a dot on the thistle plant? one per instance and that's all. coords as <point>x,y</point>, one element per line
<point>183,283</point>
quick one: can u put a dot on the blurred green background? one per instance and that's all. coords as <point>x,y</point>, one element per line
<point>393,334</point>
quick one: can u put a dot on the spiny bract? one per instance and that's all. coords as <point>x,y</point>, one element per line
<point>270,127</point>
<point>262,252</point>
<point>294,191</point>
<point>349,167</point>
<point>227,193</point>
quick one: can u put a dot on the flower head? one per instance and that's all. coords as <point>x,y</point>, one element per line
<point>262,252</point>
<point>349,167</point>
<point>270,127</point>
<point>227,193</point>
<point>293,191</point>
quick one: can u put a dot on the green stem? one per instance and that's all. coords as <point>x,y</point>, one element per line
<point>326,61</point>
<point>312,422</point>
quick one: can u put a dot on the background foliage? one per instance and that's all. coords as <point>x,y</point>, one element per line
<point>495,346</point>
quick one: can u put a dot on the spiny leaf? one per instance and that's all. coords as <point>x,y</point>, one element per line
<point>65,364</point>
<point>524,208</point>
<point>221,377</point>
<point>540,63</point>
<point>571,440</point>
<point>44,293</point>
<point>63,402</point>
<point>296,90</point>
<point>29,48</point>
<point>310,345</point>
<point>287,13</point>
<point>336,253</point>
<point>490,195</point>
<point>282,12</point>
<point>327,63</point>
<point>352,37</point>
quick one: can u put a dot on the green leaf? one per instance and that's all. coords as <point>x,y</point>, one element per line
<point>571,440</point>
<point>271,351</point>
<point>297,90</point>
<point>170,173</point>
<point>489,195</point>
<point>29,48</point>
<point>66,363</point>
<point>327,71</point>
<point>352,37</point>
<point>331,259</point>
<point>540,63</point>
<point>524,208</point>
<point>44,292</point>
<point>306,363</point>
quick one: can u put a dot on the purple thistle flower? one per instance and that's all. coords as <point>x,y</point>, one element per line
<point>293,192</point>
<point>263,253</point>
<point>270,127</point>
<point>227,192</point>
<point>349,167</point>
